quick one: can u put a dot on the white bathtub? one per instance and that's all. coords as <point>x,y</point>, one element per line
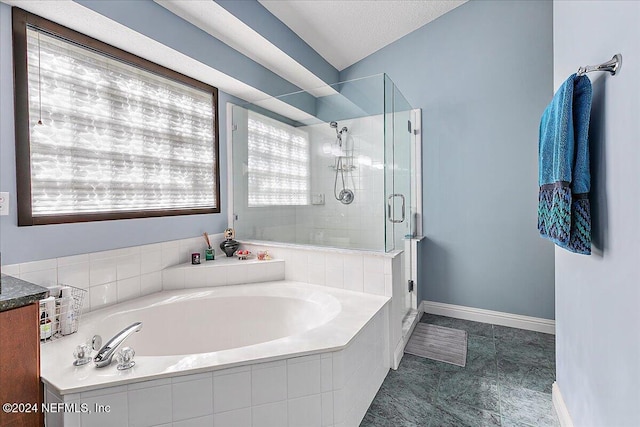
<point>232,332</point>
<point>213,320</point>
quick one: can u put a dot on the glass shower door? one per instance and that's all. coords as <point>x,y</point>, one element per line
<point>398,180</point>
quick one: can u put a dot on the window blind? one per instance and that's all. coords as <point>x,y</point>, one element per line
<point>114,137</point>
<point>278,163</point>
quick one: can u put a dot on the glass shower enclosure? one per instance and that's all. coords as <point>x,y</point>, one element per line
<point>326,167</point>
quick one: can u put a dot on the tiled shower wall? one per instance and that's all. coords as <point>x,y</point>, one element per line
<point>357,225</point>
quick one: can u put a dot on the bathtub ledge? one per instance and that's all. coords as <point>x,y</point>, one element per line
<point>357,310</point>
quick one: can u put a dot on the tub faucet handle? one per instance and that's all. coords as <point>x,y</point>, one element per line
<point>82,354</point>
<point>125,358</point>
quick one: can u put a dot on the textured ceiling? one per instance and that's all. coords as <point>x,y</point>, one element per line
<point>344,32</point>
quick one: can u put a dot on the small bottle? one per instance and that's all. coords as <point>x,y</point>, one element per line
<point>67,315</point>
<point>45,326</point>
<point>209,254</point>
<point>48,305</point>
<point>195,258</point>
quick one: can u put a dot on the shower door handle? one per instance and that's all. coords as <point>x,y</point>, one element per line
<point>390,208</point>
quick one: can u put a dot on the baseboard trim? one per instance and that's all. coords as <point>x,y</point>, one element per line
<point>489,316</point>
<point>560,407</point>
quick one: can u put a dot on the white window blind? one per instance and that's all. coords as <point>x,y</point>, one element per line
<point>114,137</point>
<point>278,163</point>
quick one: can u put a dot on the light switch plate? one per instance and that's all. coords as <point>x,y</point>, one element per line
<point>4,203</point>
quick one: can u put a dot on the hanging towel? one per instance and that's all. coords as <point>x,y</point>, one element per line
<point>564,215</point>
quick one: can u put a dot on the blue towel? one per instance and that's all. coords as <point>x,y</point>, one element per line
<point>564,214</point>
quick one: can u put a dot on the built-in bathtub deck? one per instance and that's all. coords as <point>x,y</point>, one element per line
<point>330,372</point>
<point>57,356</point>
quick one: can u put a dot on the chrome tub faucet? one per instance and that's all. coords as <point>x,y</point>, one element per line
<point>106,353</point>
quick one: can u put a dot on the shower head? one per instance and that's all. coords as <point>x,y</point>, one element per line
<point>334,125</point>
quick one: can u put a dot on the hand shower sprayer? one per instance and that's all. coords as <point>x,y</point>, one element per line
<point>334,125</point>
<point>345,196</point>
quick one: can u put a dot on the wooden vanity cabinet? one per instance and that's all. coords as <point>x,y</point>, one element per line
<point>20,365</point>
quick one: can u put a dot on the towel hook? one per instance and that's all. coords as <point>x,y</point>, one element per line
<point>612,66</point>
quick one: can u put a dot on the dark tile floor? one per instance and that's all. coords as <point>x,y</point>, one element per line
<point>506,382</point>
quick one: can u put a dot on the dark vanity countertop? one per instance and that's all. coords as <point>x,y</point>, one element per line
<point>16,293</point>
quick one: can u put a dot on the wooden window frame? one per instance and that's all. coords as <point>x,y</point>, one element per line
<point>21,19</point>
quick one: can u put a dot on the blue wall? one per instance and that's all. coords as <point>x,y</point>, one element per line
<point>482,75</point>
<point>20,244</point>
<point>598,296</point>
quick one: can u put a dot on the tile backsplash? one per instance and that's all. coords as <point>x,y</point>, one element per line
<point>353,270</point>
<point>119,275</point>
<point>113,276</point>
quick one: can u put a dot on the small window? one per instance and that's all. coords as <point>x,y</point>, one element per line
<point>278,163</point>
<point>103,134</point>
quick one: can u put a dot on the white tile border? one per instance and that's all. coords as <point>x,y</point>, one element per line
<point>537,324</point>
<point>560,407</point>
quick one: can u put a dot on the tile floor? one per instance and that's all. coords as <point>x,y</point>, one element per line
<point>506,382</point>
